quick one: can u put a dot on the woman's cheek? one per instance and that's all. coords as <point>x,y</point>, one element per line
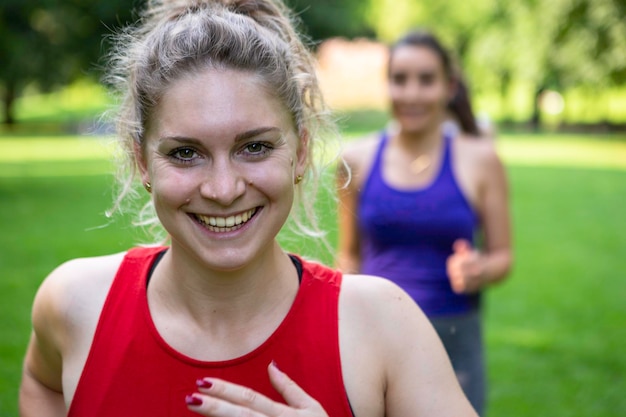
<point>176,184</point>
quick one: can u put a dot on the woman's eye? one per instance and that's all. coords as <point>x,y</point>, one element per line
<point>184,154</point>
<point>428,79</point>
<point>398,79</point>
<point>256,149</point>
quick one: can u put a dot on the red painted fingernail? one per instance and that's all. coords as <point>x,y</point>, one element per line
<point>193,400</point>
<point>202,383</point>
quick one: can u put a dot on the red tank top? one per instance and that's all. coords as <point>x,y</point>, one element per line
<point>131,371</point>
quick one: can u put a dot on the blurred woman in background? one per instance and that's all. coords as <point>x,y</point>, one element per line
<point>414,198</point>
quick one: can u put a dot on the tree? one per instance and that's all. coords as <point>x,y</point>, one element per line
<point>531,45</point>
<point>555,45</point>
<point>324,19</point>
<point>52,42</point>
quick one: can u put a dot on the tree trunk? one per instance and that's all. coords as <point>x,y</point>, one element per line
<point>9,101</point>
<point>535,120</point>
<point>505,83</point>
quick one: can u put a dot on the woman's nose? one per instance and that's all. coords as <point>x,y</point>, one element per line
<point>223,182</point>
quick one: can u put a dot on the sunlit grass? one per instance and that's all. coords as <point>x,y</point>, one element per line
<point>82,99</point>
<point>55,156</point>
<point>54,148</point>
<point>566,151</point>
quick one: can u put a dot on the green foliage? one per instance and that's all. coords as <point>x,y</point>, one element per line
<point>50,42</point>
<point>328,18</point>
<point>510,51</point>
<point>504,46</point>
<point>391,18</point>
<point>554,330</point>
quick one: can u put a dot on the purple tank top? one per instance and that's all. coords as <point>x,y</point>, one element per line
<point>407,235</point>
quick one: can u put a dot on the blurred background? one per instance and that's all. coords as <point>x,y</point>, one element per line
<point>551,76</point>
<point>548,64</point>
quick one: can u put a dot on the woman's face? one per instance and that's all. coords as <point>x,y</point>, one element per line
<point>221,154</point>
<point>419,88</point>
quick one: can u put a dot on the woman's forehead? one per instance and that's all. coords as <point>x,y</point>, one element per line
<point>219,100</point>
<point>415,58</point>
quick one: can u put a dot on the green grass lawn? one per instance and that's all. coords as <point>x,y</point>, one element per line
<point>555,330</point>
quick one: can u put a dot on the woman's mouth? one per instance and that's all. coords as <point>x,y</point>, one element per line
<point>226,224</point>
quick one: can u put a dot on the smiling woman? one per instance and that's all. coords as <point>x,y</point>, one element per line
<point>204,160</point>
<point>419,194</point>
<point>219,117</point>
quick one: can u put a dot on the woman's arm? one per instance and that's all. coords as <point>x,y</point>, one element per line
<point>348,252</point>
<point>394,363</point>
<point>41,390</point>
<point>37,398</point>
<point>65,314</point>
<point>470,269</point>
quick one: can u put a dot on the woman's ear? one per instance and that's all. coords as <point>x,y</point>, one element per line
<point>302,153</point>
<point>141,162</point>
<point>453,89</point>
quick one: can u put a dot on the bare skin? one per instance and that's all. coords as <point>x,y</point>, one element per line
<point>219,294</point>
<point>407,371</point>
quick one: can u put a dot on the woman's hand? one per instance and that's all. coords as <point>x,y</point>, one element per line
<point>218,398</point>
<point>465,268</point>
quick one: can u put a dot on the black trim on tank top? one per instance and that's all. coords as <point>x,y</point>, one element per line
<point>296,263</point>
<point>154,265</point>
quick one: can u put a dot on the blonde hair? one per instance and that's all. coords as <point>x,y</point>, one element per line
<point>176,37</point>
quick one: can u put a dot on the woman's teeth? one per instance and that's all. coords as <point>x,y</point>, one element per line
<point>226,224</point>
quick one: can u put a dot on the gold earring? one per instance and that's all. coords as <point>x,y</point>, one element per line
<point>148,187</point>
<point>298,179</point>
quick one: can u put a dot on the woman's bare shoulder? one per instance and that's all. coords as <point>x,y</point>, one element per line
<point>81,272</point>
<point>358,155</point>
<point>75,288</point>
<point>480,149</point>
<point>378,298</point>
<point>480,155</point>
<point>357,152</point>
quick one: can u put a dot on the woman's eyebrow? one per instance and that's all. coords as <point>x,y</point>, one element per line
<point>255,132</point>
<point>238,138</point>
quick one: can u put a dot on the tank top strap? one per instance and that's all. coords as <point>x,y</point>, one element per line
<point>446,170</point>
<point>375,172</point>
<point>384,139</point>
<point>378,157</point>
<point>448,177</point>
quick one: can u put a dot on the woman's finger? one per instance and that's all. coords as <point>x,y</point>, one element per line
<point>220,398</point>
<point>295,396</point>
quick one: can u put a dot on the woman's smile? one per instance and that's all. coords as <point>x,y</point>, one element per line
<point>222,167</point>
<point>224,224</point>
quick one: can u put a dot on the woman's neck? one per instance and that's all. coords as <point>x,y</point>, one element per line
<point>418,142</point>
<point>180,284</point>
<point>215,315</point>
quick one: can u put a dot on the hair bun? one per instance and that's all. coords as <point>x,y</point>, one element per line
<point>256,9</point>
